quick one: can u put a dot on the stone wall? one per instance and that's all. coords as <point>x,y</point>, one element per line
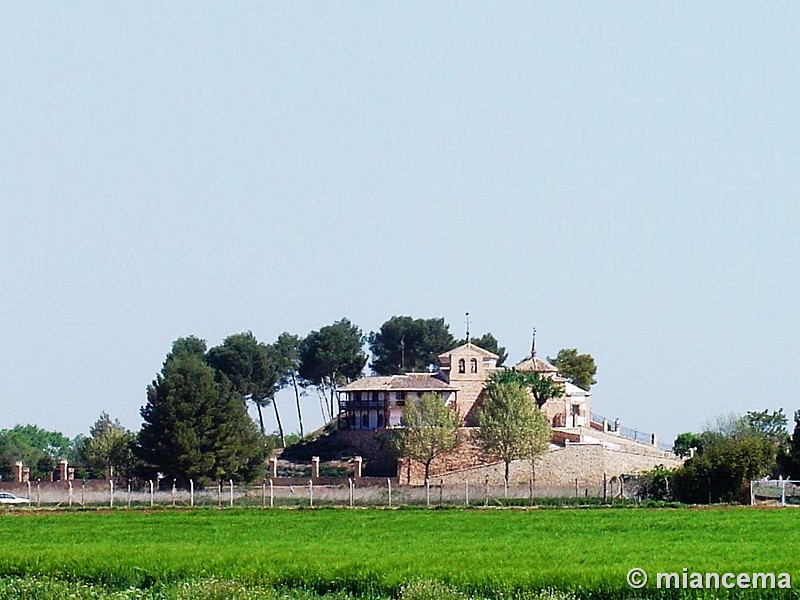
<point>558,468</point>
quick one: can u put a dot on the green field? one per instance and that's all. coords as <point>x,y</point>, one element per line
<point>373,553</point>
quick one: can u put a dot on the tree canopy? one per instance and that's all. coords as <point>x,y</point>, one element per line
<point>729,454</point>
<point>404,344</point>
<point>109,446</point>
<point>511,427</point>
<point>332,356</point>
<point>251,367</point>
<point>541,386</point>
<point>195,424</point>
<point>429,429</point>
<point>579,368</point>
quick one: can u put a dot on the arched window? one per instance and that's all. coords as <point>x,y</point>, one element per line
<point>462,366</point>
<point>473,365</point>
<point>380,420</point>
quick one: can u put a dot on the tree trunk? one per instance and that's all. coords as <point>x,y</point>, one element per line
<point>505,491</point>
<point>261,418</point>
<point>323,401</point>
<point>297,399</point>
<point>280,427</point>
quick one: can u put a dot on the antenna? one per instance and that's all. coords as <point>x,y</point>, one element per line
<point>467,322</point>
<point>533,344</point>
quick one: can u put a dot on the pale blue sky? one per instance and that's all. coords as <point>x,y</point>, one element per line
<point>623,176</point>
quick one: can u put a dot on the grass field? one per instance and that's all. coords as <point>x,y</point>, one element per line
<point>373,553</point>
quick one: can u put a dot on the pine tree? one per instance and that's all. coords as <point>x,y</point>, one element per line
<point>195,424</point>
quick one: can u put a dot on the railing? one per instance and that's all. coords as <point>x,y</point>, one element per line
<point>630,433</point>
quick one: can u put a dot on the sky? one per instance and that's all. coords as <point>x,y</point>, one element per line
<point>621,176</point>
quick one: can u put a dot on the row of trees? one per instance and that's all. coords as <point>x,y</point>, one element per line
<point>726,456</point>
<point>108,444</point>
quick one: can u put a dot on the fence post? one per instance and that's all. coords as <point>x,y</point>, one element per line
<point>311,493</point>
<point>191,493</point>
<point>350,486</point>
<point>174,492</point>
<point>83,492</point>
<point>389,483</point>
<point>441,492</point>
<point>466,493</point>
<point>263,493</point>
<point>530,489</point>
<point>152,497</point>
<point>605,488</point>
<point>271,495</point>
<point>486,490</point>
<point>129,493</point>
<point>111,487</point>
<point>752,494</point>
<point>427,492</point>
<point>230,481</point>
<point>219,494</point>
<point>29,489</point>
<point>39,493</point>
<point>70,494</point>
<point>783,492</point>
<point>576,488</point>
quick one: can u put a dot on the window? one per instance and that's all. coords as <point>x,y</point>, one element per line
<point>462,366</point>
<point>356,396</point>
<point>374,396</point>
<point>380,420</point>
<point>364,420</point>
<point>576,409</point>
<point>473,365</point>
<point>400,403</point>
<point>400,395</point>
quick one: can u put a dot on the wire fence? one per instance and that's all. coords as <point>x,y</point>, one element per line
<point>775,492</point>
<point>348,493</point>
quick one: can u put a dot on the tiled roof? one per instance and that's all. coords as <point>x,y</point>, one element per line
<point>470,347</point>
<point>415,382</point>
<point>536,364</point>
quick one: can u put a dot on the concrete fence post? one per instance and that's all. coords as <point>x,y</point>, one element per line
<point>191,493</point>
<point>263,493</point>
<point>389,485</point>
<point>273,468</point>
<point>219,494</point>
<point>129,493</point>
<point>174,492</point>
<point>311,493</point>
<point>63,470</point>
<point>359,462</point>
<point>315,468</point>
<point>39,493</point>
<point>351,488</point>
<point>427,492</point>
<point>230,481</point>
<point>152,494</point>
<point>111,493</point>
<point>18,472</point>
<point>441,492</point>
<point>271,495</point>
<point>69,494</point>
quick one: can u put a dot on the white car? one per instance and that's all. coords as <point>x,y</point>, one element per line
<point>6,498</point>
